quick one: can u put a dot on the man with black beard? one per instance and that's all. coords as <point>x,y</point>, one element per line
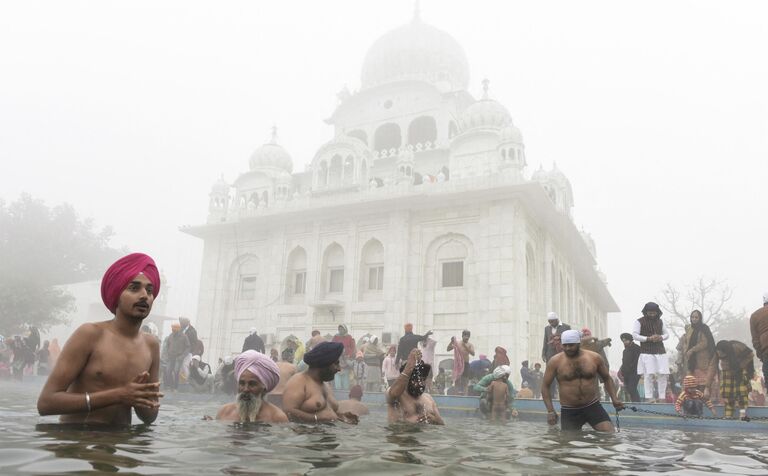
<point>256,376</point>
<point>576,371</point>
<point>406,399</point>
<point>307,397</point>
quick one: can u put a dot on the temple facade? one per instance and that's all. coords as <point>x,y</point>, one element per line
<point>419,209</point>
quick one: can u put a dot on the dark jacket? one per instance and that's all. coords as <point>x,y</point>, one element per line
<point>548,349</point>
<point>407,343</point>
<point>629,360</point>
<point>253,342</point>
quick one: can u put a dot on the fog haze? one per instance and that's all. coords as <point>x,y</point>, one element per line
<point>656,111</point>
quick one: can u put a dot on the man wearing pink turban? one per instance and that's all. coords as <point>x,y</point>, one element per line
<point>108,369</point>
<point>256,375</point>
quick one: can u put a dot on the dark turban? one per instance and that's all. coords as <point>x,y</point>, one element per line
<point>122,272</point>
<point>324,354</point>
<point>652,306</point>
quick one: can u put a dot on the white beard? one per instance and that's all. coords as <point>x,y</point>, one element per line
<point>248,406</point>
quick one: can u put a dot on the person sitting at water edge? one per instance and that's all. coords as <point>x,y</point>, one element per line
<point>306,397</point>
<point>406,399</point>
<point>108,368</point>
<point>576,371</point>
<point>256,376</point>
<point>502,374</point>
<point>525,391</point>
<point>691,400</point>
<point>354,405</point>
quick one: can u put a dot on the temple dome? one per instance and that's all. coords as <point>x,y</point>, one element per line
<point>271,154</point>
<point>511,133</point>
<point>416,51</point>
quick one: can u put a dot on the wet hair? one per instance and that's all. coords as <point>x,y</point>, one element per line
<point>315,332</point>
<point>465,333</point>
<point>287,355</point>
<point>626,336</point>
<point>356,392</point>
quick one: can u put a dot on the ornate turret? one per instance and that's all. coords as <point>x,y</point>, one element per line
<point>219,201</point>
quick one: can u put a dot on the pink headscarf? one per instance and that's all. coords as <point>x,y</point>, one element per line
<point>122,272</point>
<point>259,365</point>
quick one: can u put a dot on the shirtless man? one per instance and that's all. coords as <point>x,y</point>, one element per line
<point>498,391</point>
<point>466,349</point>
<point>576,371</point>
<point>287,370</point>
<point>107,369</point>
<point>306,397</point>
<point>406,400</point>
<point>256,376</point>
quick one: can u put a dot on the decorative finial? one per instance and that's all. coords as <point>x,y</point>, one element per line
<point>486,82</point>
<point>274,134</point>
<point>416,10</point>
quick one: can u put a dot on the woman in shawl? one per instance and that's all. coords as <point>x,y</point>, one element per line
<point>699,354</point>
<point>373,354</point>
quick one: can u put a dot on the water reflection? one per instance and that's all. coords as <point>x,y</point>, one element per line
<point>103,448</point>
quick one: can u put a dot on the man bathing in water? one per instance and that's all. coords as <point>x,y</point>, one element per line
<point>406,399</point>
<point>306,397</point>
<point>107,369</point>
<point>256,375</point>
<point>576,371</point>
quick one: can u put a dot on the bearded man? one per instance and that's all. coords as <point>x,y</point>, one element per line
<point>307,397</point>
<point>108,369</point>
<point>651,332</point>
<point>406,400</point>
<point>256,376</point>
<point>576,371</point>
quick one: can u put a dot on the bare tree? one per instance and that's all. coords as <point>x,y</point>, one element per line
<point>710,296</point>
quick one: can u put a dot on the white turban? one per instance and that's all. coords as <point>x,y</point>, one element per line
<point>552,316</point>
<point>500,371</point>
<point>571,337</point>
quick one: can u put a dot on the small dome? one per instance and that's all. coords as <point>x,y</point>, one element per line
<point>485,113</point>
<point>540,175</point>
<point>271,154</point>
<point>220,187</point>
<point>416,51</point>
<point>511,134</point>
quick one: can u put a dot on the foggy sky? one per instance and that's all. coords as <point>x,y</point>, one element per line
<point>656,111</point>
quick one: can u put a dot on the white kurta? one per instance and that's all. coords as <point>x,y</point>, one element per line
<point>649,364</point>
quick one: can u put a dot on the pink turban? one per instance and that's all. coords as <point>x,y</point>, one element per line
<point>122,272</point>
<point>259,365</point>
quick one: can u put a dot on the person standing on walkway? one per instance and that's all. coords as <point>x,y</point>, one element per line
<point>629,366</point>
<point>651,332</point>
<point>758,326</point>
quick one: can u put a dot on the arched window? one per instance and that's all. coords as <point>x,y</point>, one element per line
<point>322,174</point>
<point>359,134</point>
<point>333,269</point>
<point>247,279</point>
<point>503,154</point>
<point>349,169</point>
<point>530,272</point>
<point>563,302</point>
<point>363,172</point>
<point>371,270</point>
<point>451,258</point>
<point>296,273</point>
<point>422,130</point>
<point>554,291</point>
<point>265,198</point>
<point>254,201</point>
<point>453,131</point>
<point>334,173</point>
<point>388,137</point>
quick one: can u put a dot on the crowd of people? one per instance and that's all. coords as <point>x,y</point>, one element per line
<point>26,355</point>
<point>107,369</point>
